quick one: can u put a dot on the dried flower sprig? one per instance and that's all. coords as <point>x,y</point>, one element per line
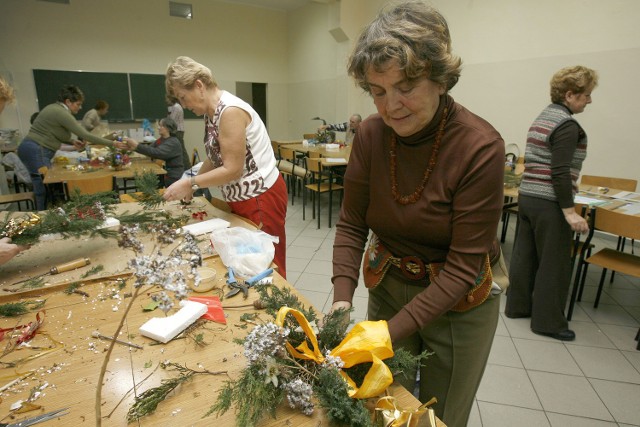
<point>154,269</point>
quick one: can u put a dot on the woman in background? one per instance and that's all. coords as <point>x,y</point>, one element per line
<point>540,268</point>
<point>52,131</point>
<point>166,148</point>
<point>176,113</point>
<point>92,118</point>
<point>240,160</point>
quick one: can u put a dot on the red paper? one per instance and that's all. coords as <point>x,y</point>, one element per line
<point>214,308</point>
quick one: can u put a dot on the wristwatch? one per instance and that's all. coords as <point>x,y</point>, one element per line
<point>194,186</point>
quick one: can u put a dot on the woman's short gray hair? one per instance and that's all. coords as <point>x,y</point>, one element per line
<point>416,36</point>
<point>184,71</point>
<point>577,79</point>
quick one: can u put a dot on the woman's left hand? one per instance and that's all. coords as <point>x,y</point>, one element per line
<point>79,145</point>
<point>179,190</point>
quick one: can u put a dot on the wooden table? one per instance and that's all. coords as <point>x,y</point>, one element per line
<point>62,173</point>
<point>71,368</point>
<point>342,152</point>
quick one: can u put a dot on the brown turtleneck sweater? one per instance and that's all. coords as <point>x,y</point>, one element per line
<point>455,220</point>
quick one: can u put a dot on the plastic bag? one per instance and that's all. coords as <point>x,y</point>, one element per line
<point>247,252</point>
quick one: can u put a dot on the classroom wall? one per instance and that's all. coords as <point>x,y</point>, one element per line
<point>238,43</point>
<point>509,49</point>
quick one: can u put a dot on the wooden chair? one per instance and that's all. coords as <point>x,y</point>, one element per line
<point>579,251</point>
<point>624,184</point>
<point>308,136</point>
<point>51,191</point>
<point>512,177</point>
<point>26,197</point>
<point>91,185</point>
<point>321,182</point>
<point>609,182</point>
<point>292,172</point>
<point>620,224</point>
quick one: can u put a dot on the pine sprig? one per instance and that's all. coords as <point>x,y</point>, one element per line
<point>147,402</point>
<point>147,184</point>
<point>333,396</point>
<point>13,309</point>
<point>257,396</point>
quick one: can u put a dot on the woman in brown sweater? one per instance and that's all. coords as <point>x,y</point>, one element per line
<point>425,176</point>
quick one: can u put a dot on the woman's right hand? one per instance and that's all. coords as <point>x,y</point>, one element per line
<point>577,222</point>
<point>345,305</point>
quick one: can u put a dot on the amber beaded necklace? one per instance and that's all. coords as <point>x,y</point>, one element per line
<point>415,196</point>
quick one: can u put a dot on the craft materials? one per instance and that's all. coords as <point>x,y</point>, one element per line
<point>80,262</point>
<point>207,226</point>
<point>207,280</point>
<point>38,419</point>
<point>97,334</point>
<point>235,286</point>
<point>164,329</point>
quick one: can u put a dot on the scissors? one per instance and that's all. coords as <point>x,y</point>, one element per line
<point>38,419</point>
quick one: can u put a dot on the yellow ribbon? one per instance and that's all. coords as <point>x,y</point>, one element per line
<point>387,414</point>
<point>366,342</point>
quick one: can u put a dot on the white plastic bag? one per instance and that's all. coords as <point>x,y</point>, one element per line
<point>247,252</point>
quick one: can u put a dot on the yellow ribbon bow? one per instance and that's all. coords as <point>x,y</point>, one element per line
<point>368,341</point>
<point>387,414</point>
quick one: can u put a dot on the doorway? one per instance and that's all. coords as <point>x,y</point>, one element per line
<point>255,94</point>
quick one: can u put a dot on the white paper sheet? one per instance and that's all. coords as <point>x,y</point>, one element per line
<point>335,160</point>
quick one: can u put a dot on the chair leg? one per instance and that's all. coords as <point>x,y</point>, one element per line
<point>600,285</point>
<point>505,226</point>
<point>583,278</point>
<point>638,339</point>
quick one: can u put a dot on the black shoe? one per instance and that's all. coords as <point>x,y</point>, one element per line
<point>566,335</point>
<point>517,316</point>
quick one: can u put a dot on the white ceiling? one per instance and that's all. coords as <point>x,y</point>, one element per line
<point>286,5</point>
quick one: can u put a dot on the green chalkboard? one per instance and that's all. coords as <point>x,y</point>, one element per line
<point>111,87</point>
<point>148,95</point>
<point>130,96</point>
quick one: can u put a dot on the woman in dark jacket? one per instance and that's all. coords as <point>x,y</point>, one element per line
<point>167,148</point>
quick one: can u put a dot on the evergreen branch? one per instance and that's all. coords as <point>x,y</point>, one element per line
<point>14,309</point>
<point>147,402</point>
<point>253,396</point>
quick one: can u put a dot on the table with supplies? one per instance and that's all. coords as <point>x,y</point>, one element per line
<point>59,367</point>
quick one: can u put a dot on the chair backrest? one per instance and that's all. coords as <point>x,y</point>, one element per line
<point>314,154</point>
<point>617,223</point>
<point>610,182</point>
<point>308,136</point>
<point>91,185</point>
<point>314,164</point>
<point>287,154</point>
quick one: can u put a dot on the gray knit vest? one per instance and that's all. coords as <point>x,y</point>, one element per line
<point>536,179</point>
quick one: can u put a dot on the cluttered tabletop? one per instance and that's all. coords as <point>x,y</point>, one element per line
<point>62,303</point>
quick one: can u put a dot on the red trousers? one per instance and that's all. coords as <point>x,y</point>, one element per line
<point>270,210</point>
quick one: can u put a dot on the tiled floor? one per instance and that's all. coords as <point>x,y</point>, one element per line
<point>530,380</point>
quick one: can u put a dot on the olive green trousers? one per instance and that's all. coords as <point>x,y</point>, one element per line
<point>460,343</point>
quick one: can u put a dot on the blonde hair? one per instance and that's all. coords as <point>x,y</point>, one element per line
<point>577,79</point>
<point>416,36</point>
<point>183,73</point>
<point>6,91</point>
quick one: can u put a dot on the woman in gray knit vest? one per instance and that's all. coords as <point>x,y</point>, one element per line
<point>540,269</point>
